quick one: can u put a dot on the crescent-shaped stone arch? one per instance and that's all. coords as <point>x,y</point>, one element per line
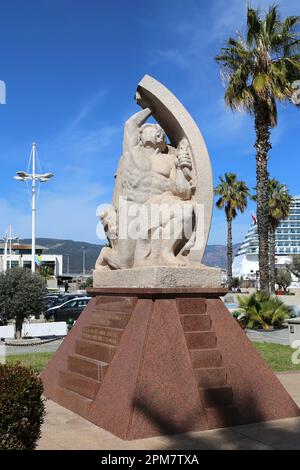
<point>172,116</point>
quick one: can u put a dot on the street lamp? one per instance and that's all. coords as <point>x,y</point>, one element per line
<point>83,260</point>
<point>68,263</point>
<point>34,177</point>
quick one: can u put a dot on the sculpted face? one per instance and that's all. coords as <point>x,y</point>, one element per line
<point>153,136</point>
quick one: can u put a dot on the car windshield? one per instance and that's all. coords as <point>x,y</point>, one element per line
<point>82,302</point>
<point>70,304</point>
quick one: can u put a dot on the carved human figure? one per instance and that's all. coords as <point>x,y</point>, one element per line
<point>157,180</point>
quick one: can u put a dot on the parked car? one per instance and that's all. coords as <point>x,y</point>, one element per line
<point>68,310</point>
<point>49,301</point>
<point>62,298</point>
<point>296,311</point>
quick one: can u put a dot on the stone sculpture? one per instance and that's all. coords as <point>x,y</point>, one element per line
<point>155,217</point>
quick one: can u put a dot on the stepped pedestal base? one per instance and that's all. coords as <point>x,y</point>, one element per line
<point>145,362</point>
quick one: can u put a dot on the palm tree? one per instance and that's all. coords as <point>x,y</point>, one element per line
<point>233,196</point>
<point>259,70</point>
<point>279,208</point>
<point>262,310</point>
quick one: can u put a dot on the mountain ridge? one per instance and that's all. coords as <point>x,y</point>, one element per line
<point>215,255</point>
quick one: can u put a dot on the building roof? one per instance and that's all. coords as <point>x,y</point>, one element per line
<point>22,246</point>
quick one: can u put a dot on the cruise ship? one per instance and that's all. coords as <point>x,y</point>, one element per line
<point>245,263</point>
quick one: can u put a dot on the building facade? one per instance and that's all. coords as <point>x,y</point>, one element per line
<point>18,254</point>
<point>287,244</point>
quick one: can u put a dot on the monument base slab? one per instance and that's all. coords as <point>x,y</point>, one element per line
<point>158,276</point>
<point>145,362</point>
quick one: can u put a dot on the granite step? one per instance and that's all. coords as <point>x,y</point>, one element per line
<point>92,349</point>
<point>211,376</point>
<point>216,396</point>
<point>88,367</point>
<point>113,319</point>
<point>201,339</point>
<point>195,322</point>
<point>100,299</point>
<point>73,401</point>
<point>221,417</point>
<point>125,305</point>
<point>206,358</point>
<point>78,383</point>
<point>191,306</point>
<point>102,334</point>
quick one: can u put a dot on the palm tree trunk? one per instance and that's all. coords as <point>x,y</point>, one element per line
<point>229,253</point>
<point>272,263</point>
<point>262,146</point>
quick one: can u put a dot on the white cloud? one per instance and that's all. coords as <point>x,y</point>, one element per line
<point>67,203</point>
<point>197,33</point>
<point>86,109</point>
<point>68,213</point>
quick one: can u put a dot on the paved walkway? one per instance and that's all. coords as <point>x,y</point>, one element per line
<point>64,430</point>
<point>278,336</point>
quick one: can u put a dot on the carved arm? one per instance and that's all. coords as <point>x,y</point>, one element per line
<point>131,129</point>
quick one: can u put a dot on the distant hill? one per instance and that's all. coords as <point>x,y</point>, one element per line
<point>73,249</point>
<point>215,255</point>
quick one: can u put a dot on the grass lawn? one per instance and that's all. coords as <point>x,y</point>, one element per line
<point>35,360</point>
<point>277,356</point>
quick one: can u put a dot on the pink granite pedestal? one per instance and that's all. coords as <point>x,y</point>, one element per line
<point>147,362</point>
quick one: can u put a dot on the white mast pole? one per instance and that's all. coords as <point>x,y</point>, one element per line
<point>10,241</point>
<point>33,209</point>
<point>5,253</point>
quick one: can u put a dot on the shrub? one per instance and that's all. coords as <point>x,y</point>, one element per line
<point>263,310</point>
<point>236,314</point>
<point>21,407</point>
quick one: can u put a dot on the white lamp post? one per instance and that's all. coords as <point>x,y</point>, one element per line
<point>83,260</point>
<point>34,177</point>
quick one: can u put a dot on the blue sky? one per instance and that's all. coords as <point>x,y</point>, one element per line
<point>71,69</point>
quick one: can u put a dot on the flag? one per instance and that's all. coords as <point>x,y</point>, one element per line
<point>38,260</point>
<point>254,218</point>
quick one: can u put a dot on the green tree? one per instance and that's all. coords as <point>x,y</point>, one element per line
<point>21,295</point>
<point>294,267</point>
<point>283,278</point>
<point>87,283</point>
<point>46,271</point>
<point>233,196</point>
<point>279,208</point>
<point>236,282</point>
<point>260,70</point>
